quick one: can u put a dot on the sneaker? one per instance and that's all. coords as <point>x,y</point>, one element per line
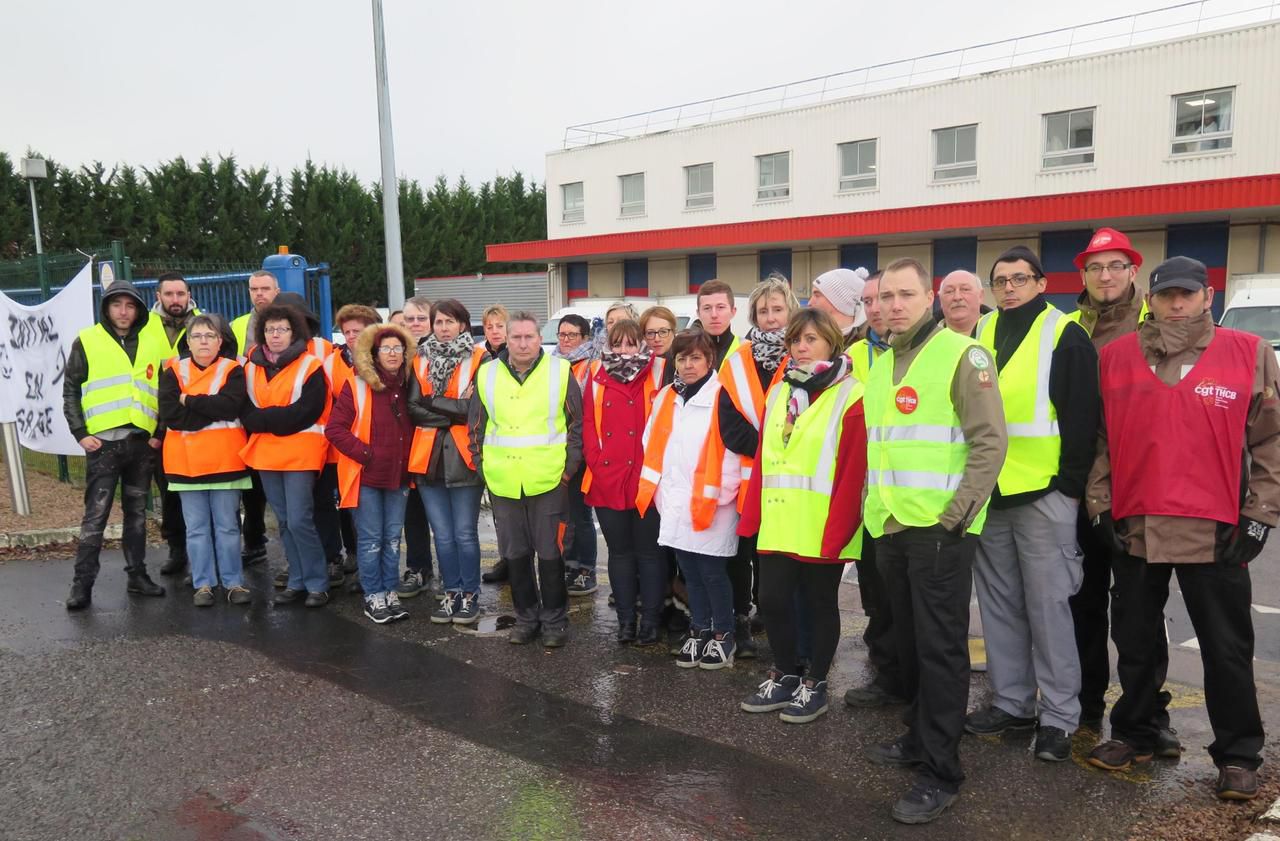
<point>1115,755</point>
<point>375,607</point>
<point>691,652</point>
<point>774,694</point>
<point>411,584</point>
<point>239,595</point>
<point>1167,744</point>
<point>287,596</point>
<point>1236,783</point>
<point>717,652</point>
<point>468,610</point>
<point>583,583</point>
<point>895,754</point>
<point>1053,744</point>
<point>924,802</point>
<point>316,600</point>
<point>993,721</point>
<point>281,580</point>
<point>394,608</point>
<point>871,695</point>
<point>203,597</point>
<point>809,702</point>
<point>449,603</point>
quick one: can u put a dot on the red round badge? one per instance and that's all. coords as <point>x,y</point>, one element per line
<point>151,370</point>
<point>906,400</point>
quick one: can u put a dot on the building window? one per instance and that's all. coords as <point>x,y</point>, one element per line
<point>632,194</point>
<point>1068,138</point>
<point>1202,121</point>
<point>773,176</point>
<point>572,207</point>
<point>955,153</point>
<point>857,165</point>
<point>699,185</point>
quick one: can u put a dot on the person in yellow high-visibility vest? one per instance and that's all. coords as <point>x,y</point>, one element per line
<point>935,444</point>
<point>110,397</point>
<point>525,422</point>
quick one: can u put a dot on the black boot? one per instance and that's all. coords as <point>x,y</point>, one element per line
<point>80,597</point>
<point>175,563</point>
<point>140,584</point>
<point>498,574</point>
<point>742,636</point>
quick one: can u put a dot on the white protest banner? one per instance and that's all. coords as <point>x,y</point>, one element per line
<point>34,345</point>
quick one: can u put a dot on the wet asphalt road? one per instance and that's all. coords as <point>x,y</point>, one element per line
<point>150,719</point>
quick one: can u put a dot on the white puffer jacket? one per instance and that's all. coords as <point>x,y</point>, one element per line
<point>689,427</point>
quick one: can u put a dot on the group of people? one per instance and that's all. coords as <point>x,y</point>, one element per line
<point>1035,456</point>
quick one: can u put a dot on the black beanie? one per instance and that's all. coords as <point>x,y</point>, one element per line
<point>1012,255</point>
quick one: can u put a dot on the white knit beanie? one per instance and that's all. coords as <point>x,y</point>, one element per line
<point>843,288</point>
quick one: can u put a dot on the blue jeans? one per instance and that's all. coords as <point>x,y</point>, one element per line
<point>454,514</point>
<point>289,493</point>
<point>706,577</point>
<point>581,553</point>
<point>379,518</point>
<point>213,537</point>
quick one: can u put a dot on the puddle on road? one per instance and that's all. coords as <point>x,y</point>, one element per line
<point>488,626</point>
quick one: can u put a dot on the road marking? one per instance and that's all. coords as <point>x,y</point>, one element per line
<point>1262,608</point>
<point>1191,643</point>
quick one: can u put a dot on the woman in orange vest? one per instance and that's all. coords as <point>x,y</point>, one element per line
<point>615,406</point>
<point>439,394</point>
<point>201,398</point>
<point>288,397</point>
<point>693,482</point>
<point>371,430</point>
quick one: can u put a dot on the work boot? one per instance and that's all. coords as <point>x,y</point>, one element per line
<point>498,574</point>
<point>871,695</point>
<point>742,636</point>
<point>922,803</point>
<point>175,563</point>
<point>336,575</point>
<point>1167,744</point>
<point>80,597</point>
<point>140,584</point>
<point>1236,782</point>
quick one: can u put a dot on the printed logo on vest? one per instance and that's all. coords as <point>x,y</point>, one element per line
<point>151,370</point>
<point>906,400</point>
<point>1215,395</point>
<point>978,358</point>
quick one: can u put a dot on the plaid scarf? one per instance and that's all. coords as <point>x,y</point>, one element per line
<point>806,380</point>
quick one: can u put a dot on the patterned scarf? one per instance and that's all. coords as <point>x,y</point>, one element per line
<point>586,350</point>
<point>443,357</point>
<point>624,367</point>
<point>766,347</point>
<point>806,380</point>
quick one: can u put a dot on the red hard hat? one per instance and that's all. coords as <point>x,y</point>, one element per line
<point>1108,239</point>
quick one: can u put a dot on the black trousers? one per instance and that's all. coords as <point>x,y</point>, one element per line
<point>130,463</point>
<point>1218,600</point>
<point>743,568</point>
<point>529,526</point>
<point>253,528</point>
<point>819,587</point>
<point>635,564</point>
<point>417,535</point>
<point>928,578</point>
<point>324,496</point>
<point>882,647</point>
<point>1090,608</point>
<point>172,527</point>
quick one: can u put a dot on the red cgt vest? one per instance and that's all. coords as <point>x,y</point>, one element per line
<point>1178,451</point>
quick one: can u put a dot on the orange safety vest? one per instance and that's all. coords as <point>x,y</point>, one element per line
<point>652,385</point>
<point>748,396</point>
<point>305,450</point>
<point>583,369</point>
<point>349,469</point>
<point>337,372</point>
<point>707,476</point>
<point>459,381</point>
<point>215,449</point>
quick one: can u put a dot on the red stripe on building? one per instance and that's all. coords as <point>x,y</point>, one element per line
<point>577,293</point>
<point>1088,208</point>
<point>637,292</point>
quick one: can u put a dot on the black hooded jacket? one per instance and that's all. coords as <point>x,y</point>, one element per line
<point>77,368</point>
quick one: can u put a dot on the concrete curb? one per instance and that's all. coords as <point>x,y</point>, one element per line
<point>38,538</point>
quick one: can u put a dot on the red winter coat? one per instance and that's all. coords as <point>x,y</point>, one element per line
<point>616,456</point>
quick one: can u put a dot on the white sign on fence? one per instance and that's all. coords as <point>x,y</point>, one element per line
<point>34,345</point>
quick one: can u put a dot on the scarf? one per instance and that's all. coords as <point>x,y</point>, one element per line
<point>806,380</point>
<point>688,390</point>
<point>586,350</point>
<point>443,357</point>
<point>624,367</point>
<point>767,348</point>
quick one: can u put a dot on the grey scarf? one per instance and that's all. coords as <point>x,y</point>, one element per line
<point>443,357</point>
<point>767,348</point>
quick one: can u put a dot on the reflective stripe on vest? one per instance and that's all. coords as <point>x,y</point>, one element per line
<point>707,476</point>
<point>526,436</point>
<point>117,392</point>
<point>305,450</point>
<point>350,470</point>
<point>424,439</point>
<point>336,372</point>
<point>915,445</point>
<point>1035,446</point>
<point>213,449</point>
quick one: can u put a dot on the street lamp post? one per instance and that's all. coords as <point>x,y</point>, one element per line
<point>390,189</point>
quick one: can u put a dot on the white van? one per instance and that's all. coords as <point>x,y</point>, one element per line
<point>1255,308</point>
<point>685,308</point>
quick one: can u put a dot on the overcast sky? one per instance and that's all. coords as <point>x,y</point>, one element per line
<point>477,88</point>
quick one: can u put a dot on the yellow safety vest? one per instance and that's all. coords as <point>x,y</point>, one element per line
<point>158,337</point>
<point>118,392</point>
<point>526,437</point>
<point>862,353</point>
<point>796,477</point>
<point>1078,315</point>
<point>916,449</point>
<point>1035,445</point>
<point>240,329</point>
<point>733,347</point>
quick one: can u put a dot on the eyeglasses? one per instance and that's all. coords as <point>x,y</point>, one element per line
<point>577,335</point>
<point>391,350</point>
<point>277,331</point>
<point>658,334</point>
<point>1018,280</point>
<point>416,319</point>
<point>202,337</point>
<point>1096,269</point>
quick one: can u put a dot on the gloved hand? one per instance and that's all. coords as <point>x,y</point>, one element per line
<point>1246,542</point>
<point>1105,528</point>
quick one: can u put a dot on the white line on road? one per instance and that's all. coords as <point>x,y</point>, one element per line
<point>1262,608</point>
